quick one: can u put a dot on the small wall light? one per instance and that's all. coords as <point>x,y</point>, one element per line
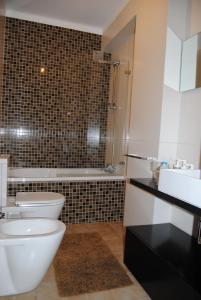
<point>42,70</point>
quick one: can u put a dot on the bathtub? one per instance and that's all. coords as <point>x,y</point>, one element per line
<point>92,195</point>
<point>56,175</point>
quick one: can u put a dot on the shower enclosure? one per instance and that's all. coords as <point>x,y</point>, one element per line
<point>117,112</point>
<point>119,104</point>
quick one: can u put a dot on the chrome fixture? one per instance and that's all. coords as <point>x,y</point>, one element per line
<point>2,215</point>
<point>182,164</point>
<point>98,56</point>
<point>112,106</point>
<point>199,232</point>
<point>141,157</point>
<point>110,169</point>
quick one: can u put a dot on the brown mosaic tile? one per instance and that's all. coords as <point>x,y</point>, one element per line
<point>86,201</point>
<point>2,33</point>
<point>56,118</point>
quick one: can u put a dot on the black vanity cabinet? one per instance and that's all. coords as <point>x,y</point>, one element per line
<point>165,260</point>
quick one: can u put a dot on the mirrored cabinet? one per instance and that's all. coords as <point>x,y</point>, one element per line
<point>183,62</point>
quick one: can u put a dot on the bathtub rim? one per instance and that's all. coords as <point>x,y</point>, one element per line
<point>64,179</point>
<point>71,177</point>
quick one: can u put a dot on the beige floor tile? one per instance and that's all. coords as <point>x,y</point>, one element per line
<point>47,293</point>
<point>118,255</point>
<point>104,231</point>
<point>135,282</point>
<point>130,293</point>
<point>47,290</point>
<point>106,295</point>
<point>79,228</point>
<point>108,235</point>
<point>115,245</point>
<point>79,297</point>
<point>117,227</point>
<point>101,226</point>
<point>68,228</point>
<point>26,296</point>
<point>49,277</point>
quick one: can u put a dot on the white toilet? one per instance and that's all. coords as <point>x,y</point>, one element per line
<point>36,205</point>
<point>27,248</point>
<point>29,243</point>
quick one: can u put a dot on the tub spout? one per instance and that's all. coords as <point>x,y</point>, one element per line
<point>2,215</point>
<point>110,169</point>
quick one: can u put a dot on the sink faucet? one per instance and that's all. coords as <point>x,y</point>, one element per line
<point>2,215</point>
<point>182,164</point>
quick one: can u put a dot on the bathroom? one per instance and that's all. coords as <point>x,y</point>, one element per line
<point>93,98</point>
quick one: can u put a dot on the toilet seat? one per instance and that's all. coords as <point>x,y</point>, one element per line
<point>30,199</point>
<point>11,231</point>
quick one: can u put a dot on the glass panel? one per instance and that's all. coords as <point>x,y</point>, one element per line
<point>118,116</point>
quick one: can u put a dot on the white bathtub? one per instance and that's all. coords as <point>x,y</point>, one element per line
<point>45,174</point>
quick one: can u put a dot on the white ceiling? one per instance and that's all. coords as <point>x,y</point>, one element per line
<point>86,15</point>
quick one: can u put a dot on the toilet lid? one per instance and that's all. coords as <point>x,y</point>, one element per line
<point>38,198</point>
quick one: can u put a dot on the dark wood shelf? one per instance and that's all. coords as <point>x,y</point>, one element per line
<point>148,184</point>
<point>165,260</point>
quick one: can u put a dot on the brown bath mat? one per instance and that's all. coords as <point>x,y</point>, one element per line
<point>85,264</point>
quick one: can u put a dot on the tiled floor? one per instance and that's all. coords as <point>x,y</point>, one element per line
<point>113,234</point>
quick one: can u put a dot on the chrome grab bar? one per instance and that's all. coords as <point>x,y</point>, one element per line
<point>140,157</point>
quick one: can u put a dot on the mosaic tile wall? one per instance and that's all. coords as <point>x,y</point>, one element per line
<point>55,97</point>
<point>86,202</point>
<point>2,30</point>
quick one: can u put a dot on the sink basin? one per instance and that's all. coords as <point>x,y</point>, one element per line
<point>182,184</point>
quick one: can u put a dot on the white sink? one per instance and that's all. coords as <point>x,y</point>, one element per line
<point>182,184</point>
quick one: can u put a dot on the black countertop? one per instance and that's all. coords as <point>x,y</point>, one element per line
<point>148,184</point>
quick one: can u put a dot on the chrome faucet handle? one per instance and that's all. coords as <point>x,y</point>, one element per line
<point>2,215</point>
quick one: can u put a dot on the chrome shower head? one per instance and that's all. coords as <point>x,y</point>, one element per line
<point>98,56</point>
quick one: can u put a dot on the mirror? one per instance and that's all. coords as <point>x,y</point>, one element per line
<point>191,63</point>
<point>183,62</point>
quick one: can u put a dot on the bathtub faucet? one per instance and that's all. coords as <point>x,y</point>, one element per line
<point>2,215</point>
<point>110,169</point>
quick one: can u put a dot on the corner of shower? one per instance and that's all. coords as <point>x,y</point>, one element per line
<point>120,60</point>
<point>118,114</point>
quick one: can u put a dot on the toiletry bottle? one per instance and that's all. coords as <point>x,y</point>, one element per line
<point>164,164</point>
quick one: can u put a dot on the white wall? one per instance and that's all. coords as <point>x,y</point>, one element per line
<point>173,60</point>
<point>149,60</point>
<point>189,64</point>
<point>171,103</point>
<point>180,122</point>
<point>147,94</point>
<point>194,16</point>
<point>178,11</point>
<point>164,122</point>
<point>190,125</point>
<point>169,124</point>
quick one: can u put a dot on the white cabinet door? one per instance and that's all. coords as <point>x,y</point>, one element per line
<point>139,207</point>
